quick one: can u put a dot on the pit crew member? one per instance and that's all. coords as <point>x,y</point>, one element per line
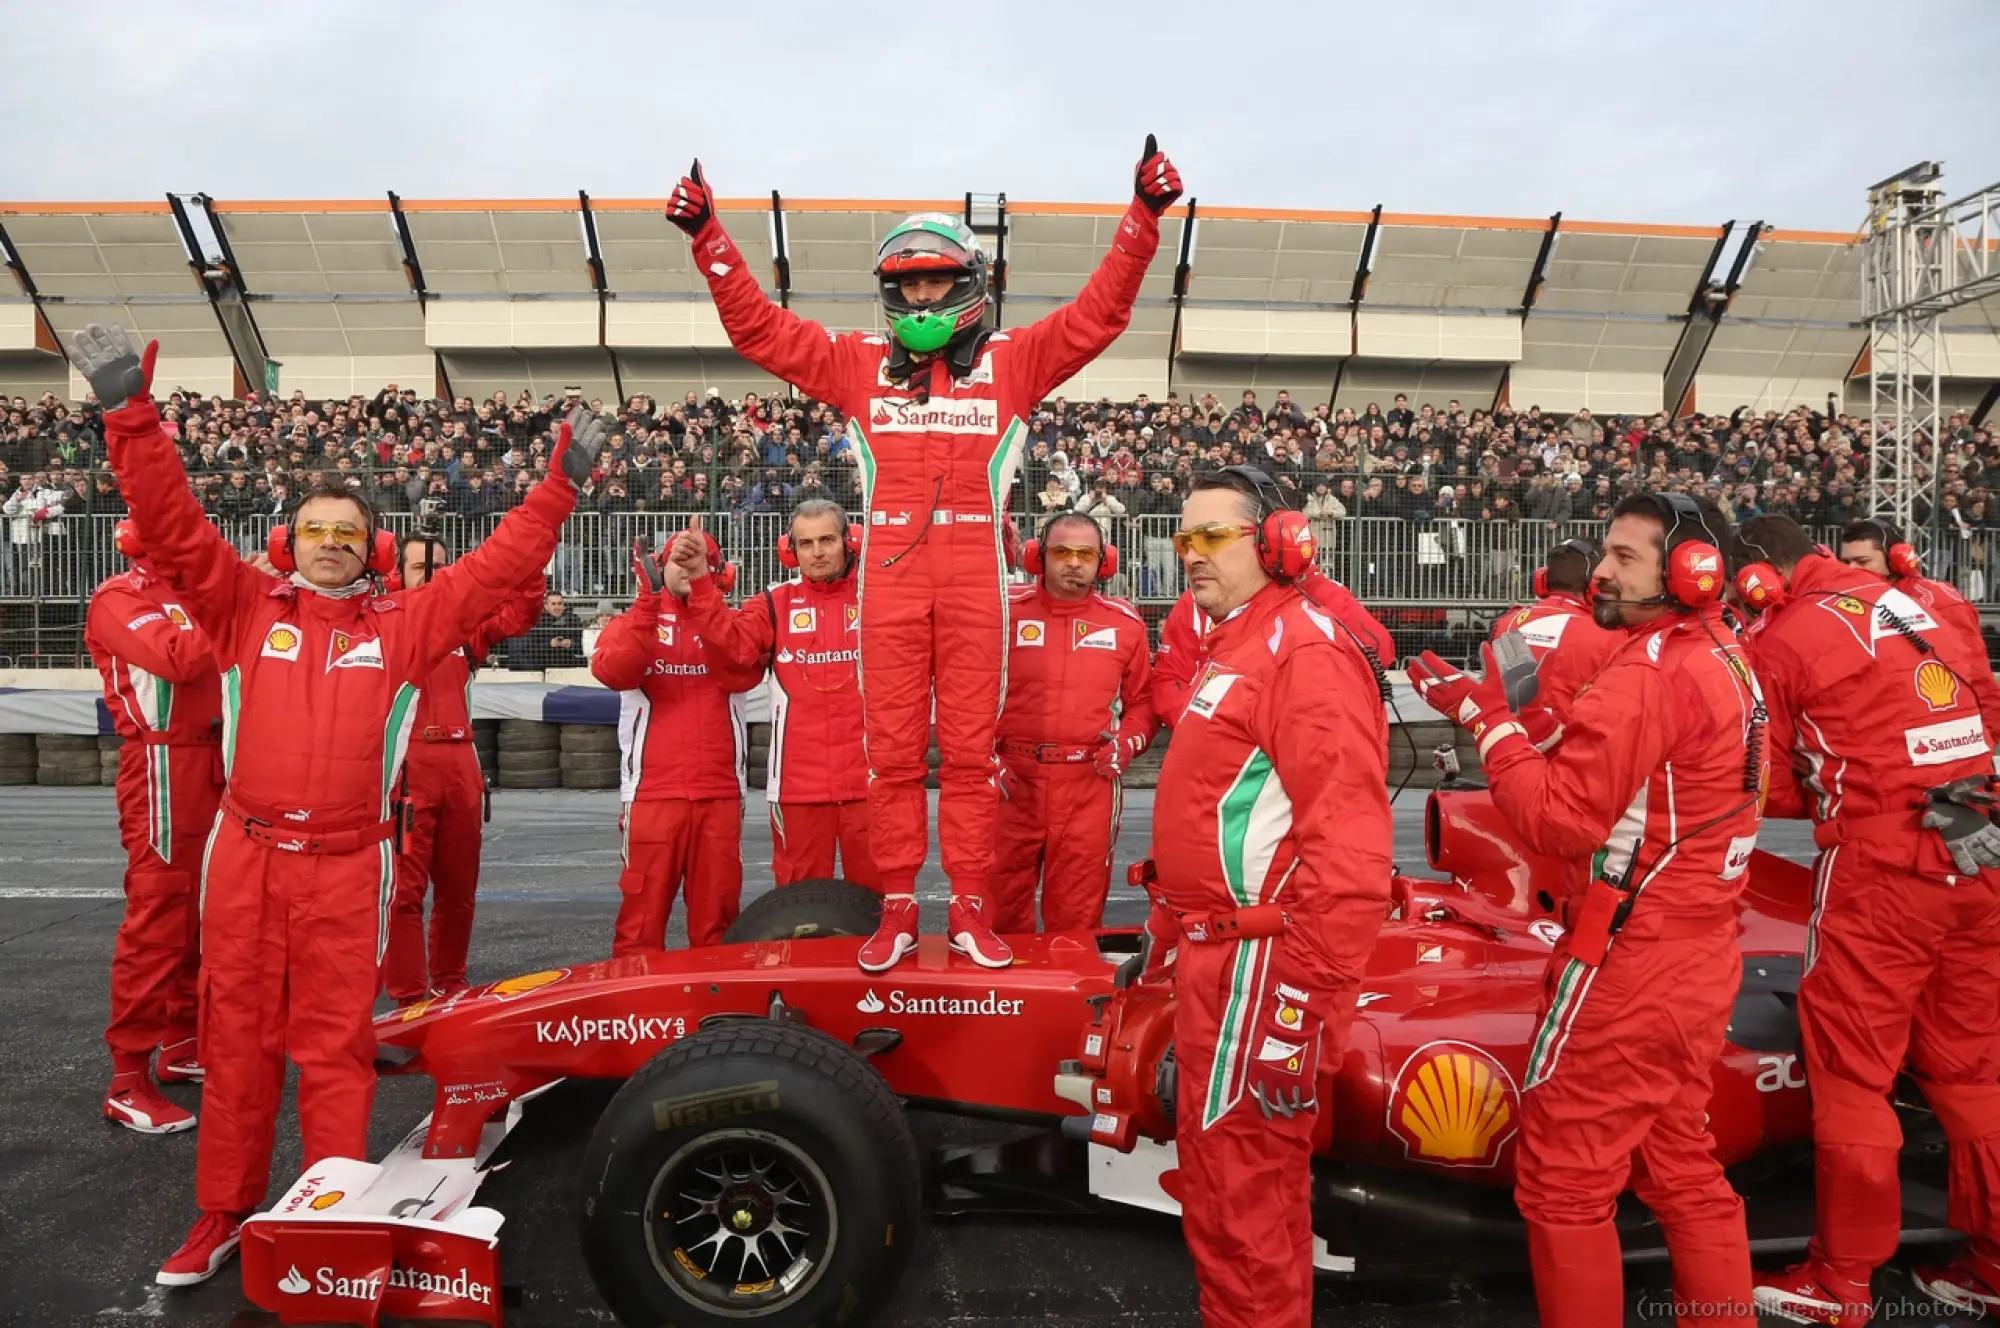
<point>1271,855</point>
<point>1881,703</point>
<point>807,632</point>
<point>1657,776</point>
<point>165,698</point>
<point>441,798</point>
<point>1877,547</point>
<point>319,683</point>
<point>936,411</point>
<point>1079,710</point>
<point>682,739</point>
<point>1568,645</point>
<point>1180,656</point>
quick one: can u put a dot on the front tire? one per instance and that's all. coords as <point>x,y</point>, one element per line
<point>754,1172</point>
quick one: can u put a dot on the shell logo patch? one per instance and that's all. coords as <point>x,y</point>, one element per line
<point>664,632</point>
<point>804,619</point>
<point>1029,632</point>
<point>1938,685</point>
<point>527,982</point>
<point>281,642</point>
<point>1090,636</point>
<point>178,617</point>
<point>1454,1105</point>
<point>328,1200</point>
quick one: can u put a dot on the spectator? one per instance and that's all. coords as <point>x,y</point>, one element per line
<point>556,642</point>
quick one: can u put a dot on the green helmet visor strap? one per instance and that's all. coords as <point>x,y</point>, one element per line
<point>924,331</point>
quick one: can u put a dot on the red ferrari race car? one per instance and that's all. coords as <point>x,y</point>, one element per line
<point>757,1165</point>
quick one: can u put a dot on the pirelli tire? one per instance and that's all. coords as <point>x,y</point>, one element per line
<point>808,909</point>
<point>753,1173</point>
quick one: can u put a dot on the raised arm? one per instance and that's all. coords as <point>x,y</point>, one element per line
<point>774,339</point>
<point>733,641</point>
<point>124,623</point>
<point>447,611</point>
<point>1052,349</point>
<point>628,645</point>
<point>178,537</point>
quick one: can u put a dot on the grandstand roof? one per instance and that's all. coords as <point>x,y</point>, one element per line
<point>347,294</point>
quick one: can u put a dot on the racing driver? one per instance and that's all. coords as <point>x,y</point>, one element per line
<point>319,690</point>
<point>1560,630</point>
<point>441,798</point>
<point>1271,854</point>
<point>805,630</point>
<point>1657,780</point>
<point>936,413</point>
<point>1079,710</point>
<point>1882,704</point>
<point>1180,656</point>
<point>165,698</point>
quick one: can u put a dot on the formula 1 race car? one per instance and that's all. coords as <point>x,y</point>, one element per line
<point>757,1165</point>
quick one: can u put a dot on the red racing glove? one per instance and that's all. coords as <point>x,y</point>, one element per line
<point>1477,705</point>
<point>578,442</point>
<point>1155,183</point>
<point>1116,753</point>
<point>1282,1074</point>
<point>692,207</point>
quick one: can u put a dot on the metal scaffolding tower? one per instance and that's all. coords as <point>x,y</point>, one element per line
<point>1920,259</point>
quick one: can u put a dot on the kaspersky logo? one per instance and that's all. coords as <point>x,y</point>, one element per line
<point>992,1004</point>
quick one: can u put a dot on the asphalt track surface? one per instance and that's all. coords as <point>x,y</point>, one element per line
<point>88,1211</point>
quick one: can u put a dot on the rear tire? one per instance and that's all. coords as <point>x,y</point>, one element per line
<point>754,1172</point>
<point>808,909</point>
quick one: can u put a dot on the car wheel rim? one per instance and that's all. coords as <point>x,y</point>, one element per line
<point>741,1222</point>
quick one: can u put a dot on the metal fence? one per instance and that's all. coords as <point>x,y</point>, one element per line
<point>1436,584</point>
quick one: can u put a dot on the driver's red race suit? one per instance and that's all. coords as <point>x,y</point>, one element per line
<point>1903,952</point>
<point>165,698</point>
<point>1649,778</point>
<point>1185,628</point>
<point>1077,671</point>
<point>319,693</point>
<point>816,777</point>
<point>938,457</point>
<point>683,742</point>
<point>1569,649</point>
<point>442,800</point>
<point>1274,791</point>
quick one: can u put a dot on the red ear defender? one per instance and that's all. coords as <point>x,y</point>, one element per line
<point>383,551</point>
<point>278,548</point>
<point>1285,546</point>
<point>394,581</point>
<point>1694,566</point>
<point>1902,559</point>
<point>381,557</point>
<point>1540,583</point>
<point>787,556</point>
<point>1760,587</point>
<point>1032,562</point>
<point>724,572</point>
<point>125,538</point>
<point>855,534</point>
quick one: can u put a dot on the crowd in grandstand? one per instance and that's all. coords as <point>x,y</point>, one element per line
<point>758,454</point>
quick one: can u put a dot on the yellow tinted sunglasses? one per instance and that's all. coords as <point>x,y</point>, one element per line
<point>1211,537</point>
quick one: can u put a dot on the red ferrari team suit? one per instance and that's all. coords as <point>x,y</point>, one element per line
<point>1274,791</point>
<point>1903,951</point>
<point>937,457</point>
<point>319,694</point>
<point>1185,628</point>
<point>1569,648</point>
<point>165,698</point>
<point>442,800</point>
<point>682,740</point>
<point>1649,782</point>
<point>1947,605</point>
<point>1078,676</point>
<point>816,780</point>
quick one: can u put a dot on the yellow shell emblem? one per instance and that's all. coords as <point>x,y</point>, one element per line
<point>1454,1105</point>
<point>1937,684</point>
<point>281,638</point>
<point>1030,632</point>
<point>528,982</point>
<point>328,1200</point>
<point>802,619</point>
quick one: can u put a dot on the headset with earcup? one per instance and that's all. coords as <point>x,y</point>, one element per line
<point>1898,553</point>
<point>125,539</point>
<point>281,547</point>
<point>1286,549</point>
<point>1031,553</point>
<point>1694,565</point>
<point>788,556</point>
<point>1587,548</point>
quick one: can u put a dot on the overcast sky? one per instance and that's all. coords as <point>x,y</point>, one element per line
<point>1668,110</point>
